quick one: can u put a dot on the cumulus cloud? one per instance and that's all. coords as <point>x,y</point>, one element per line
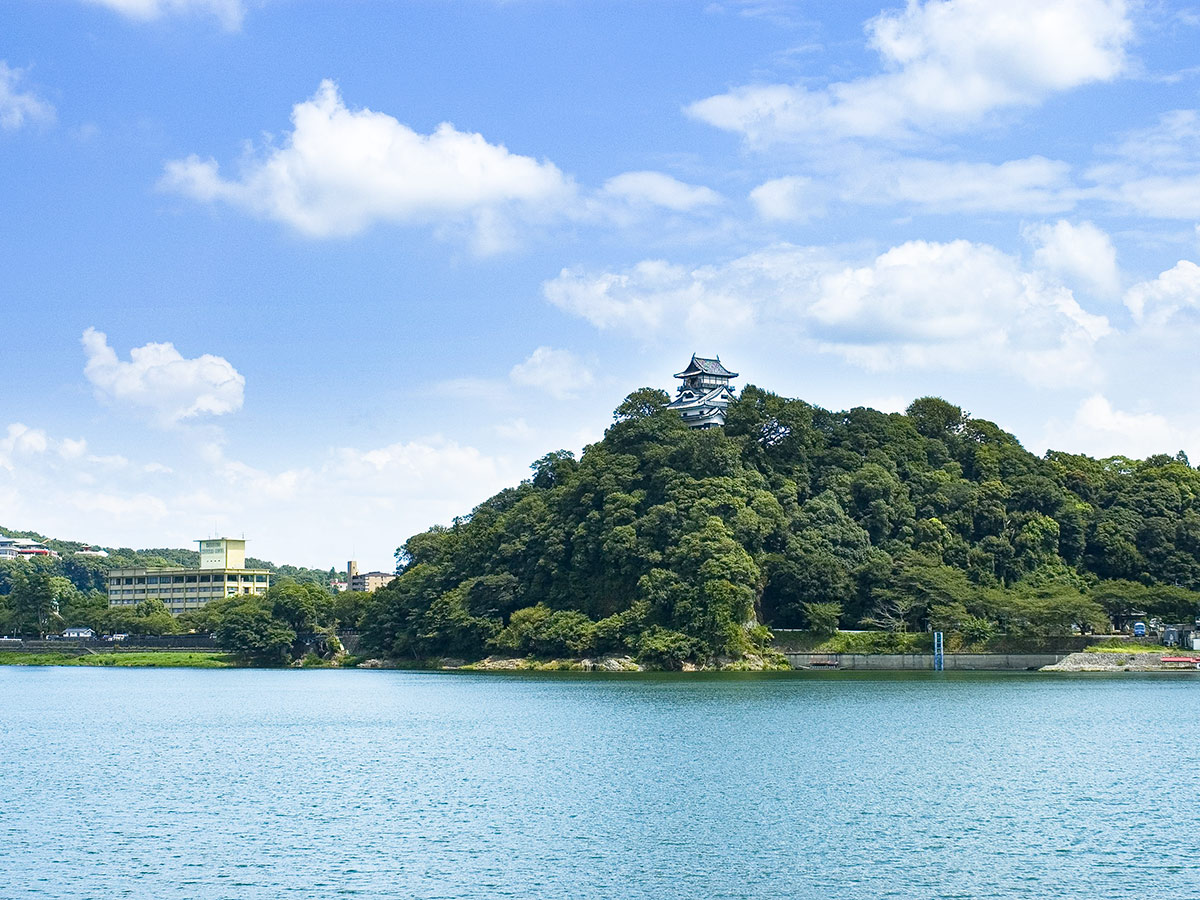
<point>341,170</point>
<point>229,12</point>
<point>958,306</point>
<point>655,294</point>
<point>1106,431</point>
<point>1156,302</point>
<point>1080,254</point>
<point>20,107</point>
<point>159,380</point>
<point>659,189</point>
<point>559,373</point>
<point>946,64</point>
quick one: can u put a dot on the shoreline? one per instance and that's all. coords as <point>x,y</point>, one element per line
<point>1070,663</point>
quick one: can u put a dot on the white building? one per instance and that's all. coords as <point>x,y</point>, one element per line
<point>23,548</point>
<point>705,393</point>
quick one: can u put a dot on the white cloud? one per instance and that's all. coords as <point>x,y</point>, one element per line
<point>951,306</point>
<point>229,12</point>
<point>1174,291</point>
<point>560,373</point>
<point>1155,171</point>
<point>17,107</point>
<point>21,440</point>
<point>1080,254</point>
<point>658,189</point>
<point>1099,429</point>
<point>315,512</point>
<point>947,63</point>
<point>341,171</point>
<point>159,380</point>
<point>1033,185</point>
<point>793,198</point>
<point>958,306</point>
<point>656,295</point>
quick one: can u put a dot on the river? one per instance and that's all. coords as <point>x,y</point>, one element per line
<point>214,784</point>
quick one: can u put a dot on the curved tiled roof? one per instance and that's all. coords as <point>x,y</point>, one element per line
<point>700,365</point>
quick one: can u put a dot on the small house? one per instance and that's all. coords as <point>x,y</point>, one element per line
<point>79,634</point>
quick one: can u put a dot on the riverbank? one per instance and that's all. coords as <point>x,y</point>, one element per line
<point>175,659</point>
<point>1120,662</point>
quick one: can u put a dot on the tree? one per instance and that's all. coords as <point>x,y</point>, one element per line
<point>553,468</point>
<point>823,618</point>
<point>32,603</point>
<point>641,404</point>
<point>935,418</point>
<point>249,630</point>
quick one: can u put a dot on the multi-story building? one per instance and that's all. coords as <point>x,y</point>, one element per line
<point>705,393</point>
<point>222,573</point>
<point>366,581</point>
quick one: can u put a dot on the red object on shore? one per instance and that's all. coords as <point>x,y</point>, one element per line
<point>1186,659</point>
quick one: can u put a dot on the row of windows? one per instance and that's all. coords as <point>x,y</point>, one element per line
<point>164,592</point>
<point>126,598</point>
<point>190,579</point>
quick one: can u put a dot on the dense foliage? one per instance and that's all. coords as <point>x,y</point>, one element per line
<point>674,544</point>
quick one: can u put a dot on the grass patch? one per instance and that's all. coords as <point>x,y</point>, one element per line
<point>175,659</point>
<point>854,642</point>
<point>1134,647</point>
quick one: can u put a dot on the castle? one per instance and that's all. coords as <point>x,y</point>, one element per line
<point>705,393</point>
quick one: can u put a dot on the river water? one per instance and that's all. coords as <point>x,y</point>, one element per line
<point>199,784</point>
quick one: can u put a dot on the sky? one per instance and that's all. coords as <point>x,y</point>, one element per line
<point>325,274</point>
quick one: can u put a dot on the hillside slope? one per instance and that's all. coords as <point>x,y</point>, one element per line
<point>677,544</point>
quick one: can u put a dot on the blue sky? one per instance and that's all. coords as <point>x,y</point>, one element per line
<point>328,273</point>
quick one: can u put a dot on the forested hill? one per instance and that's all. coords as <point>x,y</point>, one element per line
<point>673,543</point>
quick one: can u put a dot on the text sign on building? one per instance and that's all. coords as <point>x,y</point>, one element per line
<point>212,554</point>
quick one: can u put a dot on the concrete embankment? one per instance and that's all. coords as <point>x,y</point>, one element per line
<point>924,661</point>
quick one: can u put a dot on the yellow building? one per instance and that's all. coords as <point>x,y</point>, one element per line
<point>222,573</point>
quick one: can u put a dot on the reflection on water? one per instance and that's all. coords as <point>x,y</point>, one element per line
<point>206,784</point>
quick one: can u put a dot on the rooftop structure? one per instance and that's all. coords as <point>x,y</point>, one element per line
<point>222,553</point>
<point>705,393</point>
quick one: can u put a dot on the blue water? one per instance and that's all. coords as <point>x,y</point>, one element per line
<point>318,784</point>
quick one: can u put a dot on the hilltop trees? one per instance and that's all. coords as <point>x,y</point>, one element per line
<point>675,544</point>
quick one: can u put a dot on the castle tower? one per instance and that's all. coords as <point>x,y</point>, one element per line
<point>705,393</point>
